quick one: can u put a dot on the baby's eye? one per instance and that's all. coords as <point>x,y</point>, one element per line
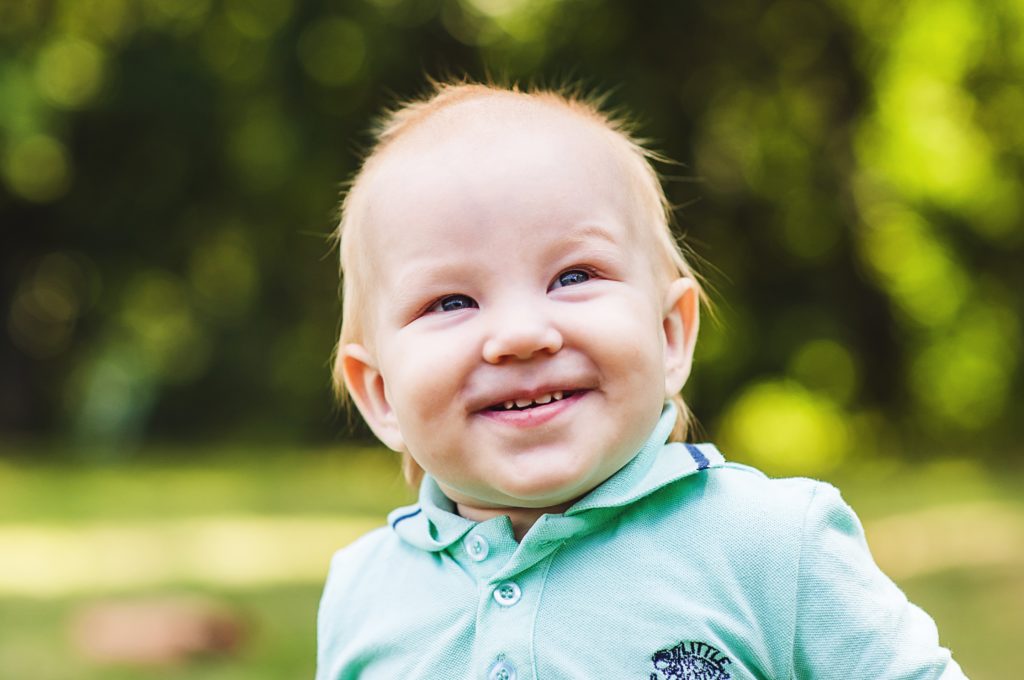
<point>571,278</point>
<point>453,303</point>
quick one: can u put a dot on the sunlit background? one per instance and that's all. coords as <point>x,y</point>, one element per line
<point>173,472</point>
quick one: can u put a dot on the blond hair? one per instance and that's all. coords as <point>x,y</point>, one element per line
<point>649,197</point>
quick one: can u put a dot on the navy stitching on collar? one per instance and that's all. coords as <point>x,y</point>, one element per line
<point>411,514</point>
<point>699,458</point>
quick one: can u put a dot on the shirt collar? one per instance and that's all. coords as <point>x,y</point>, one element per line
<point>432,524</point>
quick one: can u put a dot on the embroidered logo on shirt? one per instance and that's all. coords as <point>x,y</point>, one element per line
<point>690,660</point>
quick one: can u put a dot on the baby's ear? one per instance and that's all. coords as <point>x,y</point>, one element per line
<point>680,323</point>
<point>366,385</point>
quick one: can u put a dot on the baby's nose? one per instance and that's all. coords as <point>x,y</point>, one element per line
<point>521,334</point>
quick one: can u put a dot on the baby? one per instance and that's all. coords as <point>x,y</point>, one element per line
<point>518,323</point>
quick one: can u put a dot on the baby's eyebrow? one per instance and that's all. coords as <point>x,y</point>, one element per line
<point>587,232</point>
<point>589,235</point>
<point>429,273</point>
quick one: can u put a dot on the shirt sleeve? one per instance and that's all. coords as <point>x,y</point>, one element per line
<point>335,627</point>
<point>325,629</point>
<point>852,621</point>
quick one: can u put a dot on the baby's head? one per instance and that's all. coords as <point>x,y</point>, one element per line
<point>516,309</point>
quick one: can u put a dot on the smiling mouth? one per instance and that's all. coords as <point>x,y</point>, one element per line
<point>526,404</point>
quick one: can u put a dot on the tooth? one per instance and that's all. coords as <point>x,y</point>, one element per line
<point>543,399</point>
<point>509,405</point>
<point>556,396</point>
<point>521,403</point>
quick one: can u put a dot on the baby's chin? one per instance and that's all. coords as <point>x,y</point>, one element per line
<point>550,497</point>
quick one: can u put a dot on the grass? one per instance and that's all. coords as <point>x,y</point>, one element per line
<point>354,482</point>
<point>94,533</point>
<point>980,614</point>
<point>255,532</point>
<point>35,643</point>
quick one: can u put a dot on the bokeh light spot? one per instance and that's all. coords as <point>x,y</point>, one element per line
<point>234,56</point>
<point>465,24</point>
<point>157,315</point>
<point>37,168</point>
<point>69,72</point>
<point>264,146</point>
<point>49,299</point>
<point>785,429</point>
<point>332,50</point>
<point>223,273</point>
<point>916,268</point>
<point>827,366</point>
<point>109,396</point>
<point>497,8</point>
<point>963,376</point>
<point>258,18</point>
<point>103,20</point>
<point>180,13</point>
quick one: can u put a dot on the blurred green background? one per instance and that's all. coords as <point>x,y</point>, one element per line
<point>849,176</point>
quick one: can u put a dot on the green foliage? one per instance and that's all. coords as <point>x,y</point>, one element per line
<point>851,177</point>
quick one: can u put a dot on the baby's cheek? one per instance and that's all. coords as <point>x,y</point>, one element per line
<point>633,340</point>
<point>427,389</point>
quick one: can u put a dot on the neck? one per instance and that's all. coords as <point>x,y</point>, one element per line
<point>522,518</point>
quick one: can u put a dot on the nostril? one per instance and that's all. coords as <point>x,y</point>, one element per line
<point>521,341</point>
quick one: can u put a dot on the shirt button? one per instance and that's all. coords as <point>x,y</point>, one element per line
<point>476,546</point>
<point>502,670</point>
<point>507,594</point>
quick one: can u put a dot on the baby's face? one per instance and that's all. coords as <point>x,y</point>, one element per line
<point>519,349</point>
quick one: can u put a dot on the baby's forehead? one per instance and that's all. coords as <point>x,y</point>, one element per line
<point>494,159</point>
<point>486,159</point>
<point>480,150</point>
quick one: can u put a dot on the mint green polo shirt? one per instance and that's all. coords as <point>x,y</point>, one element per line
<point>680,566</point>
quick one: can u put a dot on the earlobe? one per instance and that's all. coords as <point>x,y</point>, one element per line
<point>366,386</point>
<point>680,323</point>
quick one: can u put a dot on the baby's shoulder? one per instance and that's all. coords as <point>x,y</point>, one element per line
<point>746,488</point>
<point>358,572</point>
<point>746,506</point>
<point>363,556</point>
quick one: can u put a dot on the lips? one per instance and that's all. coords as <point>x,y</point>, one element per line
<point>523,403</point>
<point>534,414</point>
<point>535,387</point>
